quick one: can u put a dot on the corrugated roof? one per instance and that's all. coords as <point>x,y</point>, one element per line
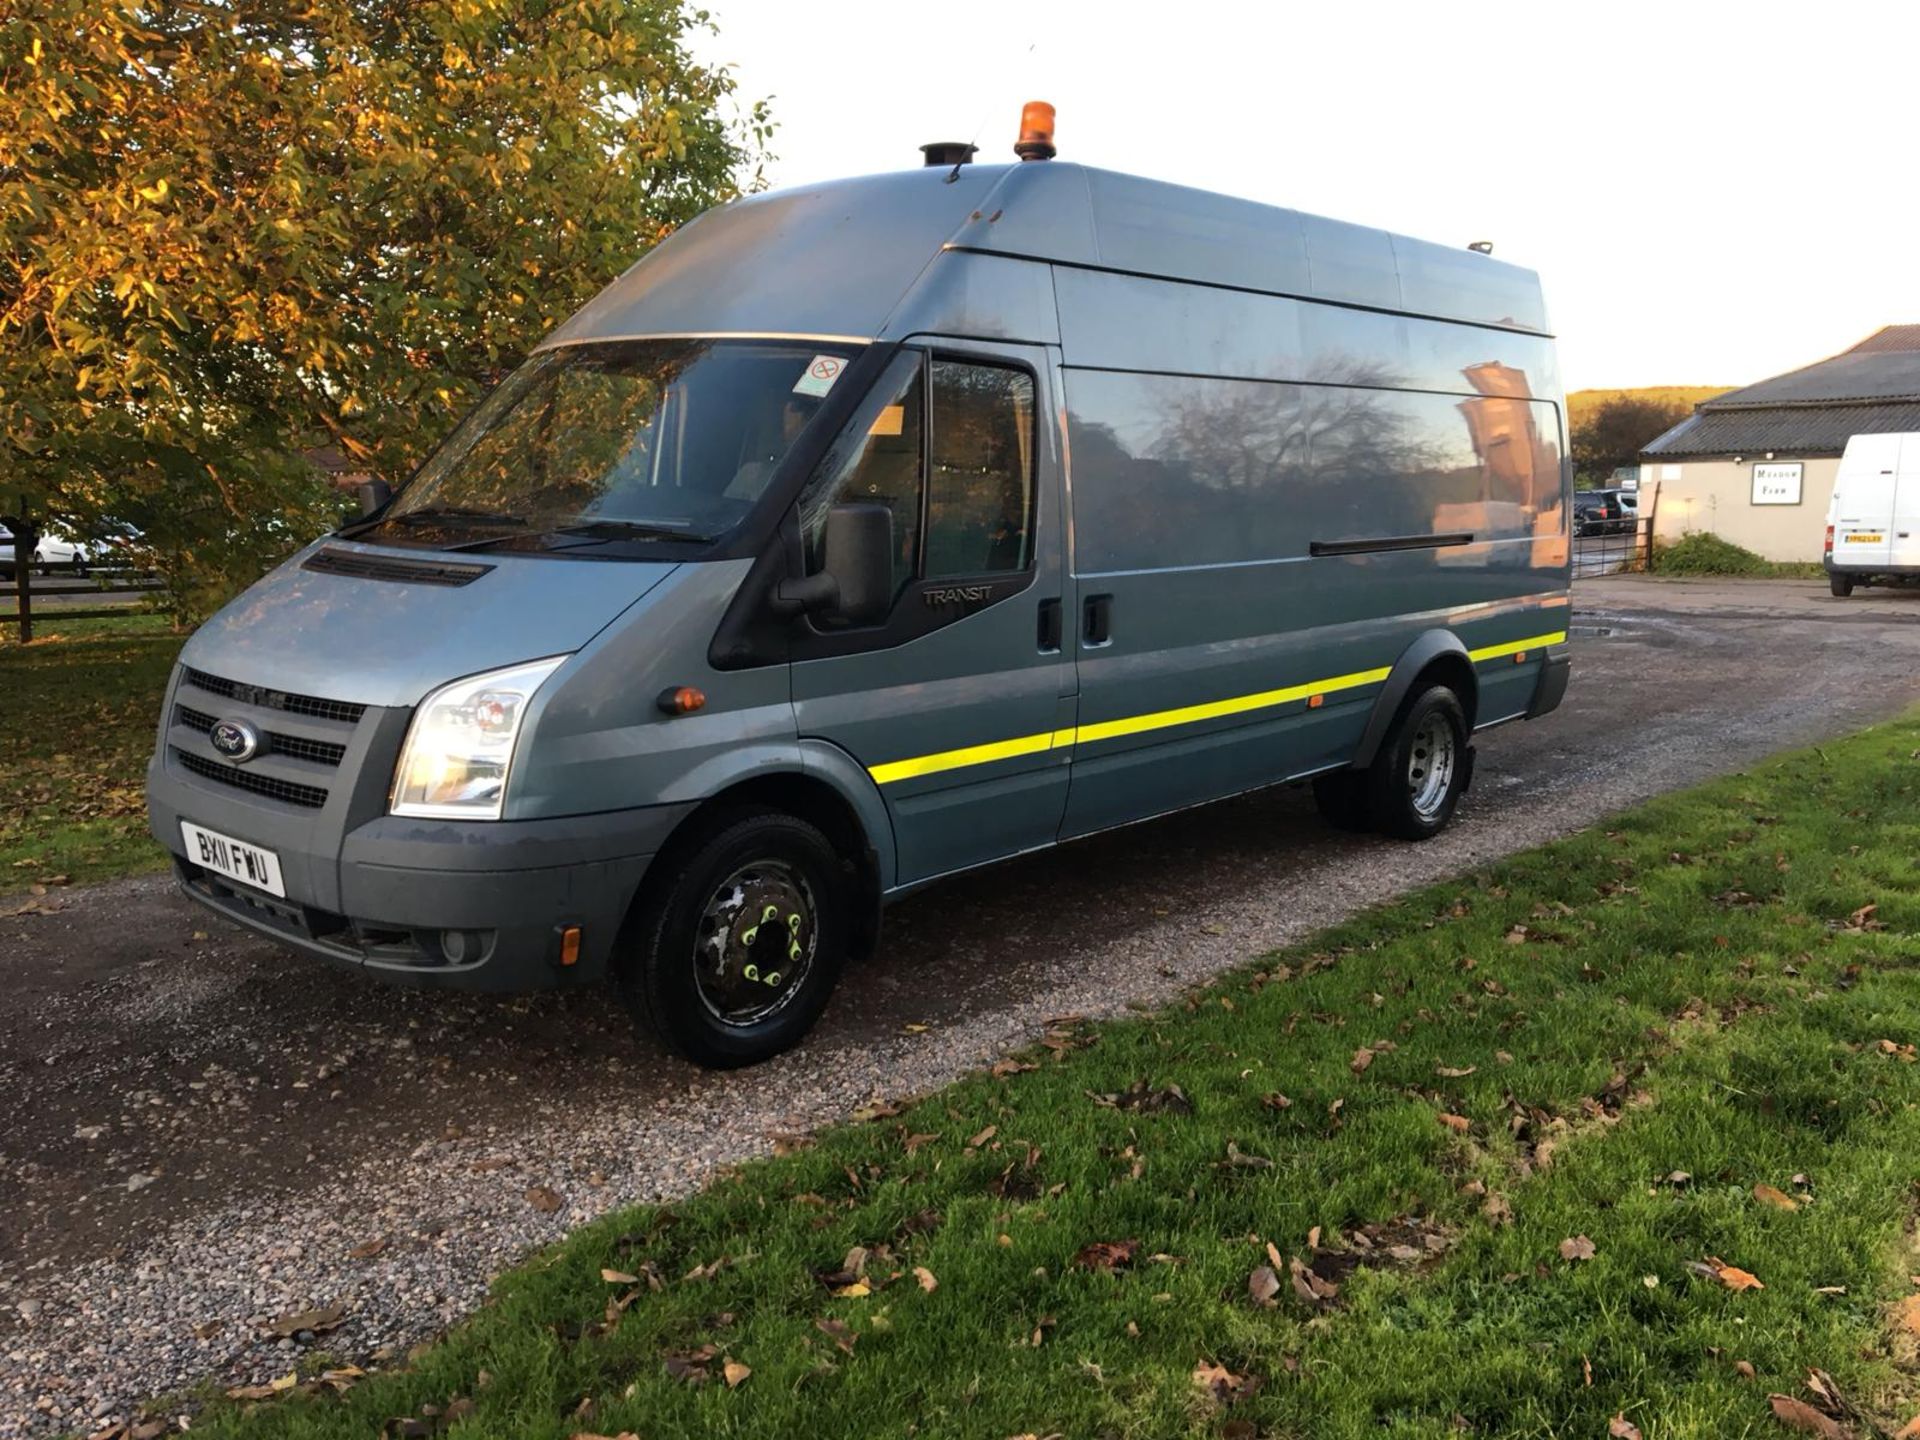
<point>1872,388</point>
<point>1888,337</point>
<point>1785,430</point>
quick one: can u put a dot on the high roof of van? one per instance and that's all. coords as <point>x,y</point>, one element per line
<point>839,258</point>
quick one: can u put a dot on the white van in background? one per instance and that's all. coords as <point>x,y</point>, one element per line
<point>1873,524</point>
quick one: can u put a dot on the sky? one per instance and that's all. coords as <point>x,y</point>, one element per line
<point>1712,193</point>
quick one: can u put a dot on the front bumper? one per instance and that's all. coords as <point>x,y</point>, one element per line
<point>473,904</point>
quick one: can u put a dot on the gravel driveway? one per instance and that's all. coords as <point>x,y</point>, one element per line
<point>201,1133</point>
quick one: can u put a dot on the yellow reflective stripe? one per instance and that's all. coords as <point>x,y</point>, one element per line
<point>1162,719</point>
<point>1213,709</point>
<point>971,755</point>
<point>1494,652</point>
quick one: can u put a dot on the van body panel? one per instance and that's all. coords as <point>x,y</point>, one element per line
<point>605,743</point>
<point>916,714</point>
<point>383,642</point>
<point>1865,497</point>
<point>832,259</point>
<point>980,297</point>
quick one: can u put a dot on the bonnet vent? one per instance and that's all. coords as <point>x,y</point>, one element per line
<point>385,567</point>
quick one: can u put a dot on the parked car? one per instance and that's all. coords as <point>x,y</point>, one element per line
<point>750,601</point>
<point>54,550</point>
<point>1605,512</point>
<point>1873,521</point>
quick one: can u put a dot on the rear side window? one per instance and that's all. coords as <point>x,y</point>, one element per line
<point>948,447</point>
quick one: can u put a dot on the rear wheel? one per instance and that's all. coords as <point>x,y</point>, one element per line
<point>1841,585</point>
<point>736,944</point>
<point>1417,778</point>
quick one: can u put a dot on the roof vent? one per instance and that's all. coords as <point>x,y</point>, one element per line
<point>1481,247</point>
<point>949,152</point>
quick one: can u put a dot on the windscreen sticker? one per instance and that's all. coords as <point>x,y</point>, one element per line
<point>820,374</point>
<point>890,421</point>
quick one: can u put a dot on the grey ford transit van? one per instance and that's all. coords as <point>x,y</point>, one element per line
<point>867,532</point>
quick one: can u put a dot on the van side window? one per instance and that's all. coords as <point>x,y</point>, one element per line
<point>875,460</point>
<point>980,493</point>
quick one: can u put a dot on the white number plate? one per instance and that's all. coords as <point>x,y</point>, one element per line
<point>235,859</point>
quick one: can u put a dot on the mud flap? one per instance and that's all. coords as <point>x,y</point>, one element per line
<point>1467,762</point>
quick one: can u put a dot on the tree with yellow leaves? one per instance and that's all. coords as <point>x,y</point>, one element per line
<point>233,232</point>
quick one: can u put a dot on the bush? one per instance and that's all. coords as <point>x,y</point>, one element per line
<point>1702,553</point>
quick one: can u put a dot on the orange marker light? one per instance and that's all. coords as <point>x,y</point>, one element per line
<point>1522,655</point>
<point>1036,131</point>
<point>681,700</point>
<point>1314,702</point>
<point>570,945</point>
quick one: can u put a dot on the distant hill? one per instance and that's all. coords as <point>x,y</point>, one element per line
<point>1582,403</point>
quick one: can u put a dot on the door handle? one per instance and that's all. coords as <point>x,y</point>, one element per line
<point>1050,627</point>
<point>1097,621</point>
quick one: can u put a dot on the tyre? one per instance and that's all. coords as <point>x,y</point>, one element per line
<point>735,945</point>
<point>1421,771</point>
<point>1343,800</point>
<point>1841,585</point>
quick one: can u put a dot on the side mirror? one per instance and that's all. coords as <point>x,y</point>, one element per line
<point>374,494</point>
<point>855,583</point>
<point>859,557</point>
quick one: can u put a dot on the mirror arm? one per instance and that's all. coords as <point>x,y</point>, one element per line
<point>805,595</point>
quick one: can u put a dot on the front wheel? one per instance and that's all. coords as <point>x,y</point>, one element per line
<point>736,944</point>
<point>1420,773</point>
<point>1841,585</point>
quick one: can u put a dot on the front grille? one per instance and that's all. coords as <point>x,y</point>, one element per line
<point>312,706</point>
<point>321,752</point>
<point>290,792</point>
<point>383,567</point>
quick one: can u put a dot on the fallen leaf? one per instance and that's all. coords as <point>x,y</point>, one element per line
<point>691,1365</point>
<point>1459,1124</point>
<point>1004,1068</point>
<point>734,1372</point>
<point>1454,1072</point>
<point>1309,1286</point>
<point>544,1198</point>
<point>1733,1277</point>
<point>1798,1415</point>
<point>1778,1199</point>
<point>1219,1382</point>
<point>1577,1247</point>
<point>1263,1285</point>
<point>984,1136</point>
<point>839,1332</point>
<point>1621,1428</point>
<point>1362,1058</point>
<point>317,1322</point>
<point>367,1249</point>
<point>618,1277</point>
<point>855,1291</point>
<point>1107,1255</point>
<point>925,1277</point>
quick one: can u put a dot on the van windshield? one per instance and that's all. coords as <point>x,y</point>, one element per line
<point>644,439</point>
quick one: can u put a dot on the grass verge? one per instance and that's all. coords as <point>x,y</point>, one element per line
<point>77,713</point>
<point>1498,1144</point>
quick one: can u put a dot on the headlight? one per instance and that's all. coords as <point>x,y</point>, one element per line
<point>460,745</point>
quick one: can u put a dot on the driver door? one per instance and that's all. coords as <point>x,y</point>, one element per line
<point>960,703</point>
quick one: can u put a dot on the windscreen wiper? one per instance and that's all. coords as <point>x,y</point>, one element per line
<point>432,514</point>
<point>629,529</point>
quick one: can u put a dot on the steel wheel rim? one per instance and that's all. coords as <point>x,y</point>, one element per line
<point>755,943</point>
<point>1430,762</point>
